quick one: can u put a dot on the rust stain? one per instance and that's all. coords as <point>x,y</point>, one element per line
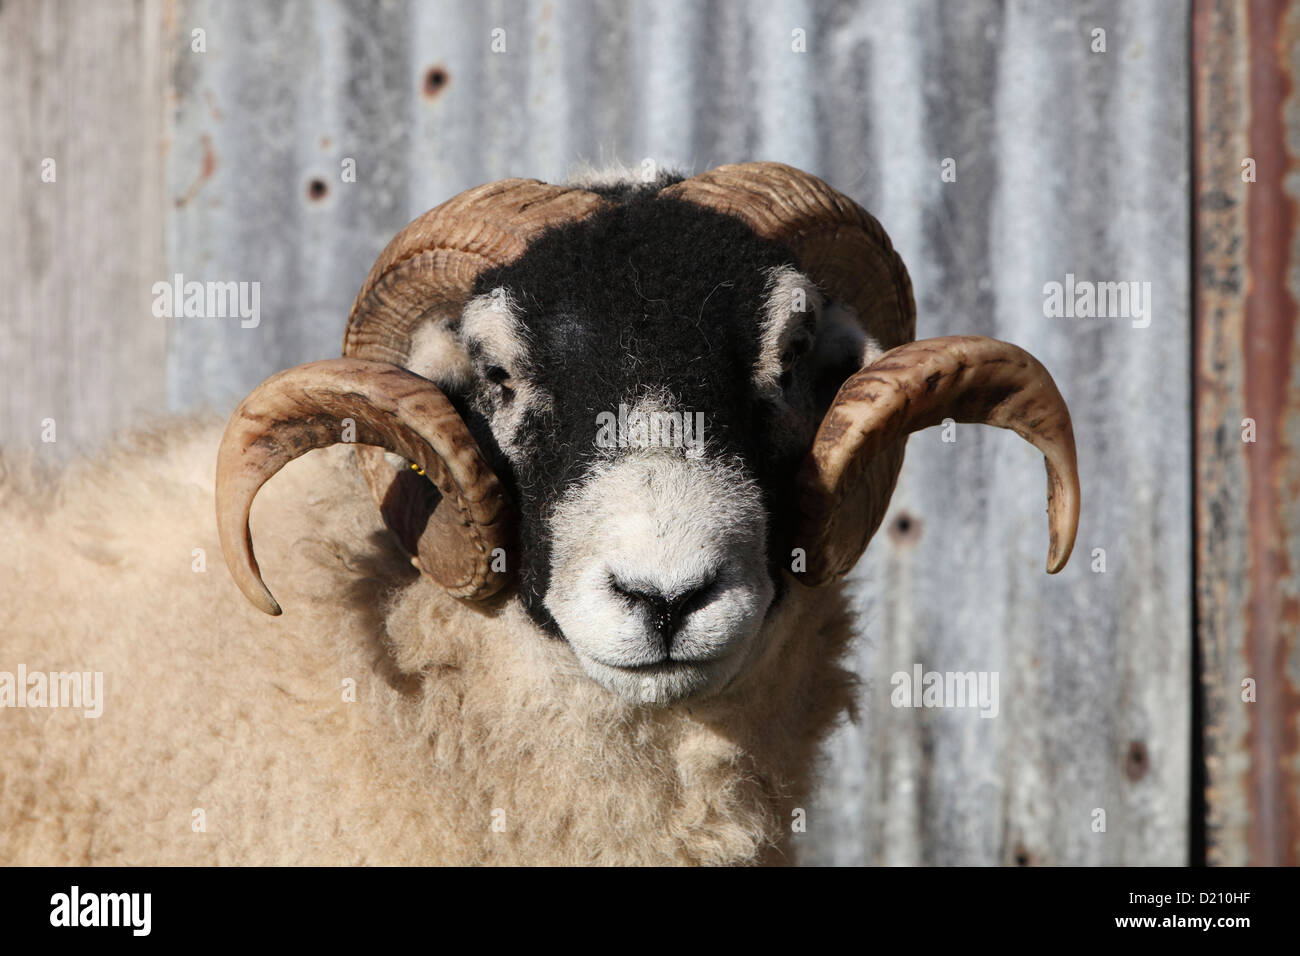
<point>1247,493</point>
<point>211,98</point>
<point>1218,804</point>
<point>208,167</point>
<point>1273,618</point>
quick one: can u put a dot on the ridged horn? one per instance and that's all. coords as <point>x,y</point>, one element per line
<point>376,404</point>
<point>967,378</point>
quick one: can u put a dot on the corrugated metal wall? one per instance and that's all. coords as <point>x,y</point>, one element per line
<point>1067,160</point>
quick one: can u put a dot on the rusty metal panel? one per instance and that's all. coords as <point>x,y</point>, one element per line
<point>1247,128</point>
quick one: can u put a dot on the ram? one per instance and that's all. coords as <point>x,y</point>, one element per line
<point>538,648</point>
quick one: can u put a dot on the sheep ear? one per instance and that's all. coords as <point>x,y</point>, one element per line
<point>439,354</point>
<point>966,378</point>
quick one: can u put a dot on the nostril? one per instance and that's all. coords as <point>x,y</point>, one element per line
<point>695,597</point>
<point>664,613</point>
<point>648,599</point>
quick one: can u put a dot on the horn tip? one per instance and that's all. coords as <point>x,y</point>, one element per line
<point>264,602</point>
<point>1058,556</point>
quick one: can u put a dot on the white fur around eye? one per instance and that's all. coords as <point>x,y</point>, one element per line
<point>492,332</point>
<point>789,324</point>
<point>491,325</point>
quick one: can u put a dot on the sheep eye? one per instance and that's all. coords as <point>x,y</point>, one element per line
<point>795,350</point>
<point>500,384</point>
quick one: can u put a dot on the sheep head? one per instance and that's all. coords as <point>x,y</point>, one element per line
<point>634,405</point>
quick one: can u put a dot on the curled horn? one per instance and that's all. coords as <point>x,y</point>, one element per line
<point>967,378</point>
<point>372,403</point>
<point>848,477</point>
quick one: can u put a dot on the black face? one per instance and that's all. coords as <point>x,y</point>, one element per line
<point>650,294</point>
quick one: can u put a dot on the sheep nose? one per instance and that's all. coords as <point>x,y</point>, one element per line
<point>665,612</point>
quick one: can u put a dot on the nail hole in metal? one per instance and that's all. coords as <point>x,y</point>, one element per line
<point>435,78</point>
<point>904,529</point>
<point>1137,762</point>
